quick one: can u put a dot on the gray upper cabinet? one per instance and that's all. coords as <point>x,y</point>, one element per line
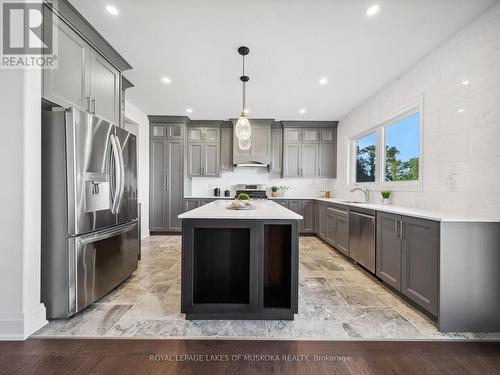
<point>165,130</point>
<point>276,150</point>
<point>84,79</point>
<point>291,160</point>
<point>68,84</point>
<point>309,160</point>
<point>226,149</point>
<point>420,259</point>
<point>104,89</point>
<point>204,153</point>
<point>388,258</point>
<point>211,159</point>
<point>327,160</point>
<point>195,159</point>
<point>309,152</point>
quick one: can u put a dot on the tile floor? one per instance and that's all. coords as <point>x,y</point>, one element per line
<point>337,300</point>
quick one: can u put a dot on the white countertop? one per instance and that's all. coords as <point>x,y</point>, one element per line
<point>266,210</point>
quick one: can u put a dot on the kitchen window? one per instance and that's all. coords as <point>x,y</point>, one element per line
<point>365,148</point>
<point>389,154</point>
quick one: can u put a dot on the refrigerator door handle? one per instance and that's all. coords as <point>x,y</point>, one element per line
<point>106,233</point>
<point>117,171</point>
<point>122,174</point>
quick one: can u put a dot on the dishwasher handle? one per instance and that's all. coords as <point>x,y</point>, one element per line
<point>372,217</point>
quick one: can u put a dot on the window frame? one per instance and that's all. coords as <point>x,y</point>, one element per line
<point>380,157</point>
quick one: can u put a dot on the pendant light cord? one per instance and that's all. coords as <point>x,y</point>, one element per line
<point>244,89</point>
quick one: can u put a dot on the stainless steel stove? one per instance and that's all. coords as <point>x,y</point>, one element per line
<point>255,191</point>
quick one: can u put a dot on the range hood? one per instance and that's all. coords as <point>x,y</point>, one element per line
<point>259,154</point>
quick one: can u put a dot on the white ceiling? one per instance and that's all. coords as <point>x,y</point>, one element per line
<point>293,43</point>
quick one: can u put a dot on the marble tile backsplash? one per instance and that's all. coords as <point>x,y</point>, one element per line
<point>460,87</point>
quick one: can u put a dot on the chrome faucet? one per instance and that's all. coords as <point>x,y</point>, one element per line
<point>364,189</point>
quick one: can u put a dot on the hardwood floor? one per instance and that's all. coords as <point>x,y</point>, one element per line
<point>139,356</point>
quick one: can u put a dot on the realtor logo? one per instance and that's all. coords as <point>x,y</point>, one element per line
<point>27,36</point>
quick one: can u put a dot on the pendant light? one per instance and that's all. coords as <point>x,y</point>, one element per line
<point>243,130</point>
<point>245,144</point>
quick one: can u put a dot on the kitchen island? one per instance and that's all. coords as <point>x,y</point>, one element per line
<point>240,264</point>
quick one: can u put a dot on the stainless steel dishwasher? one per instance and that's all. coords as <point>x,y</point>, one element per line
<point>362,238</point>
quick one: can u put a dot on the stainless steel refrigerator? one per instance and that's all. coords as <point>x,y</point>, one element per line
<point>89,209</point>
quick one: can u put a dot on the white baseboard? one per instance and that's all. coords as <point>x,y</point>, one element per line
<point>20,326</point>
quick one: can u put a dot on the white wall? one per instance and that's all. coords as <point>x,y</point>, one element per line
<point>299,187</point>
<point>136,116</point>
<point>21,312</point>
<point>461,151</point>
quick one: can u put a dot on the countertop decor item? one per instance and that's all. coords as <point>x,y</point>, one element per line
<point>227,193</point>
<point>283,190</point>
<point>243,130</point>
<point>274,191</point>
<point>385,196</point>
<point>216,192</point>
<point>243,197</point>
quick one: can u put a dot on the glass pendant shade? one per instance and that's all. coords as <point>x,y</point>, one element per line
<point>244,144</point>
<point>243,130</point>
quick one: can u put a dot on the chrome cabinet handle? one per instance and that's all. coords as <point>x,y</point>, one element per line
<point>92,105</point>
<point>165,182</point>
<point>396,228</point>
<point>87,107</point>
<point>401,229</point>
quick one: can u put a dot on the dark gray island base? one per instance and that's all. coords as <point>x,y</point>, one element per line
<point>240,268</point>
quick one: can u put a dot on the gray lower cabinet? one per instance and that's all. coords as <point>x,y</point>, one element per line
<point>332,225</point>
<point>388,259</point>
<point>166,185</point>
<point>420,259</point>
<point>191,204</point>
<point>306,209</point>
<point>408,257</point>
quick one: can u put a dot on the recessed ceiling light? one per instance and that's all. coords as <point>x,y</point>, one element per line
<point>466,82</point>
<point>323,81</point>
<point>189,110</point>
<point>461,110</point>
<point>302,111</point>
<point>166,80</point>
<point>371,11</point>
<point>112,10</point>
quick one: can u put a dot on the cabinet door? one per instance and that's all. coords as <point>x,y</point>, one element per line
<point>389,249</point>
<point>291,160</point>
<point>211,159</point>
<point>261,143</point>
<point>310,136</point>
<point>326,160</point>
<point>175,177</point>
<point>342,234</point>
<point>308,213</point>
<point>321,217</point>
<point>211,135</point>
<point>67,85</point>
<point>104,89</point>
<point>226,149</point>
<point>292,135</point>
<point>158,131</point>
<point>420,262</point>
<point>175,131</point>
<point>195,134</point>
<point>331,227</point>
<point>296,206</point>
<point>191,204</point>
<point>157,189</point>
<point>276,150</point>
<point>309,160</point>
<point>195,159</point>
<point>327,135</point>
<point>282,202</point>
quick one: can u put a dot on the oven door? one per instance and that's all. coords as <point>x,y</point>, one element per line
<point>103,260</point>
